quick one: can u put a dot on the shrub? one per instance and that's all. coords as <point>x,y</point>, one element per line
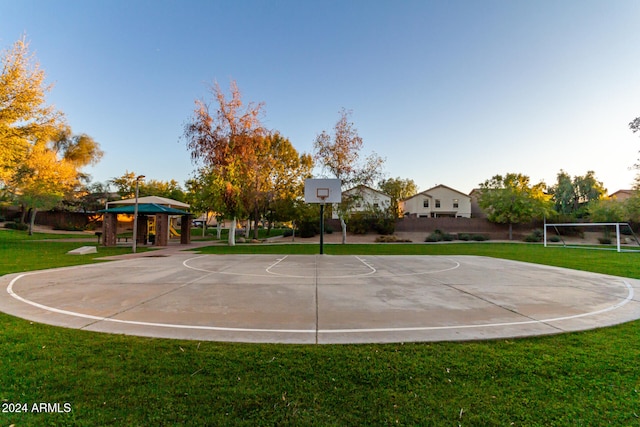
<point>385,225</point>
<point>359,224</point>
<point>391,239</point>
<point>479,238</point>
<point>604,240</point>
<point>308,229</point>
<point>439,236</point>
<point>68,227</point>
<point>464,236</point>
<point>287,233</point>
<point>17,226</point>
<point>536,236</point>
<point>554,239</point>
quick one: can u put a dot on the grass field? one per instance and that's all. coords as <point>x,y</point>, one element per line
<point>21,252</point>
<point>588,378</point>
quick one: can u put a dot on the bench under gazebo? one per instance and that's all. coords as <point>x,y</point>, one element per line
<point>160,207</point>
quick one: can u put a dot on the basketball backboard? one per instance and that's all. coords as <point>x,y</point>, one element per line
<point>322,190</point>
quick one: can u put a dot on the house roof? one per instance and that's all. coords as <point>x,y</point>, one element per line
<point>426,192</point>
<point>163,201</point>
<point>365,187</point>
<point>623,193</point>
<point>145,209</point>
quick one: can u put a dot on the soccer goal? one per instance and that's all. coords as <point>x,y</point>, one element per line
<point>618,232</point>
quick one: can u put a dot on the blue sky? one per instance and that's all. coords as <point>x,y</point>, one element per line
<point>449,92</point>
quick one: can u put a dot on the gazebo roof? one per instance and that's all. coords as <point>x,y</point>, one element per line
<point>150,199</point>
<point>145,209</point>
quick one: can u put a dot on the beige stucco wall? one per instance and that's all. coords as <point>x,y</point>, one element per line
<point>415,205</point>
<point>368,199</point>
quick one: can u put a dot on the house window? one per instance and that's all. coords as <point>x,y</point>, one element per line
<point>455,203</point>
<point>437,203</point>
<point>425,203</point>
<point>376,206</point>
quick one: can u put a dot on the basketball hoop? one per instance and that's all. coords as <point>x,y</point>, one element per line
<point>322,191</point>
<point>322,194</point>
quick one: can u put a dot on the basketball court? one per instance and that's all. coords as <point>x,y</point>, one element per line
<point>320,298</point>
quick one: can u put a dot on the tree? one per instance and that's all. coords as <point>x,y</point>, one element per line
<point>607,210</point>
<point>204,195</point>
<point>40,158</point>
<point>563,193</point>
<point>80,150</point>
<point>95,197</point>
<point>169,189</point>
<point>126,187</point>
<point>588,189</point>
<point>632,206</point>
<point>512,200</point>
<point>280,179</point>
<point>24,116</point>
<point>339,155</point>
<point>397,189</point>
<point>41,180</point>
<point>573,196</point>
<point>125,184</point>
<point>228,143</point>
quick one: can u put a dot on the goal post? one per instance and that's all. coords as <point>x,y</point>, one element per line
<point>617,226</point>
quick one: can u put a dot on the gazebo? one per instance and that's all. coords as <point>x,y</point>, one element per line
<point>160,207</point>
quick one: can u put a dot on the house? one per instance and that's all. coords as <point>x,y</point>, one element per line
<point>476,210</point>
<point>622,195</point>
<point>364,198</point>
<point>439,201</point>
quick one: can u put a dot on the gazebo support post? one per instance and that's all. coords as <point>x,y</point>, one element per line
<point>185,230</point>
<point>109,229</point>
<point>162,229</point>
<point>143,227</point>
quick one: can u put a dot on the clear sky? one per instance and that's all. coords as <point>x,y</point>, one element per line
<point>449,92</point>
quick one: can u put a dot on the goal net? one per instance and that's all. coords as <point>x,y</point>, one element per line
<point>595,235</point>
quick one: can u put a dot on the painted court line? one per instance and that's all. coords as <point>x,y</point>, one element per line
<point>186,264</point>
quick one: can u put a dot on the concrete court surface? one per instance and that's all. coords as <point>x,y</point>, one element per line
<point>321,298</point>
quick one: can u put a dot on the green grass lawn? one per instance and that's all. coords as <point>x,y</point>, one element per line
<point>21,252</point>
<point>212,234</point>
<point>587,378</point>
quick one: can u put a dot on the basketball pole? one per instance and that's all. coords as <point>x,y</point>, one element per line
<point>322,228</point>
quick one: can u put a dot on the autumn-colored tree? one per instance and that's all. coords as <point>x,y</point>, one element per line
<point>40,159</point>
<point>397,189</point>
<point>80,150</point>
<point>339,155</point>
<point>510,199</point>
<point>228,142</point>
<point>280,178</point>
<point>41,180</point>
<point>24,115</point>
